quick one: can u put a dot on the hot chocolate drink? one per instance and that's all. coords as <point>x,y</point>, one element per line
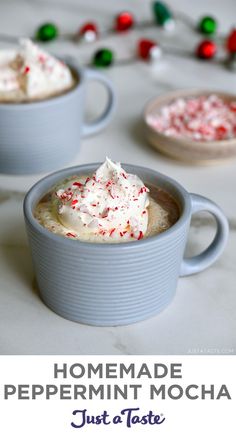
<point>110,206</point>
<point>113,284</point>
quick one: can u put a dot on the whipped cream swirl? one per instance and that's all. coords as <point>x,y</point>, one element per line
<point>31,73</point>
<point>111,203</point>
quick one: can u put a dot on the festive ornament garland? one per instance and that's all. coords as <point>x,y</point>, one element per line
<point>147,50</point>
<point>125,20</point>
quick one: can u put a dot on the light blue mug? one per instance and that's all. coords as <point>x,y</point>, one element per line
<point>116,284</point>
<point>45,135</point>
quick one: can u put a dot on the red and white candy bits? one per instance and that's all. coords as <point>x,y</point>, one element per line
<point>202,118</point>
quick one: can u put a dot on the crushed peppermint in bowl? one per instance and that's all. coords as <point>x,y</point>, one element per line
<point>193,124</point>
<point>200,118</point>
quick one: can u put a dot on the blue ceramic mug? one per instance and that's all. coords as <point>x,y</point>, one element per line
<point>116,284</point>
<point>45,135</point>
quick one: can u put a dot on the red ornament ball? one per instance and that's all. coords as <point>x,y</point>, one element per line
<point>124,21</point>
<point>231,42</point>
<point>144,48</point>
<point>88,27</point>
<point>206,49</point>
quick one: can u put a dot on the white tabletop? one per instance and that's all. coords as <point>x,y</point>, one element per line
<point>202,317</point>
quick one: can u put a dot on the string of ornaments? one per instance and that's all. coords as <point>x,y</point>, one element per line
<point>147,49</point>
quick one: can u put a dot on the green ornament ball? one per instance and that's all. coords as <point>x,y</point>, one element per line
<point>207,25</point>
<point>161,13</point>
<point>103,58</point>
<point>47,32</point>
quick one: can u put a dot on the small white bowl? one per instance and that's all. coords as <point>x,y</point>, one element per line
<point>185,149</point>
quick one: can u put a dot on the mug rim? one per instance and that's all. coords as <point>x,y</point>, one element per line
<point>60,98</point>
<point>31,196</point>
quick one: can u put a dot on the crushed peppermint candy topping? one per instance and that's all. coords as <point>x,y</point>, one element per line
<point>71,235</point>
<point>26,70</point>
<point>202,118</point>
<point>104,204</point>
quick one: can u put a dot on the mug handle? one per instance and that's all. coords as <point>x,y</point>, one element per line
<point>200,262</point>
<point>100,123</point>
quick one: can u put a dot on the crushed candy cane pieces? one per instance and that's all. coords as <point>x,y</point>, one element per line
<point>201,118</point>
